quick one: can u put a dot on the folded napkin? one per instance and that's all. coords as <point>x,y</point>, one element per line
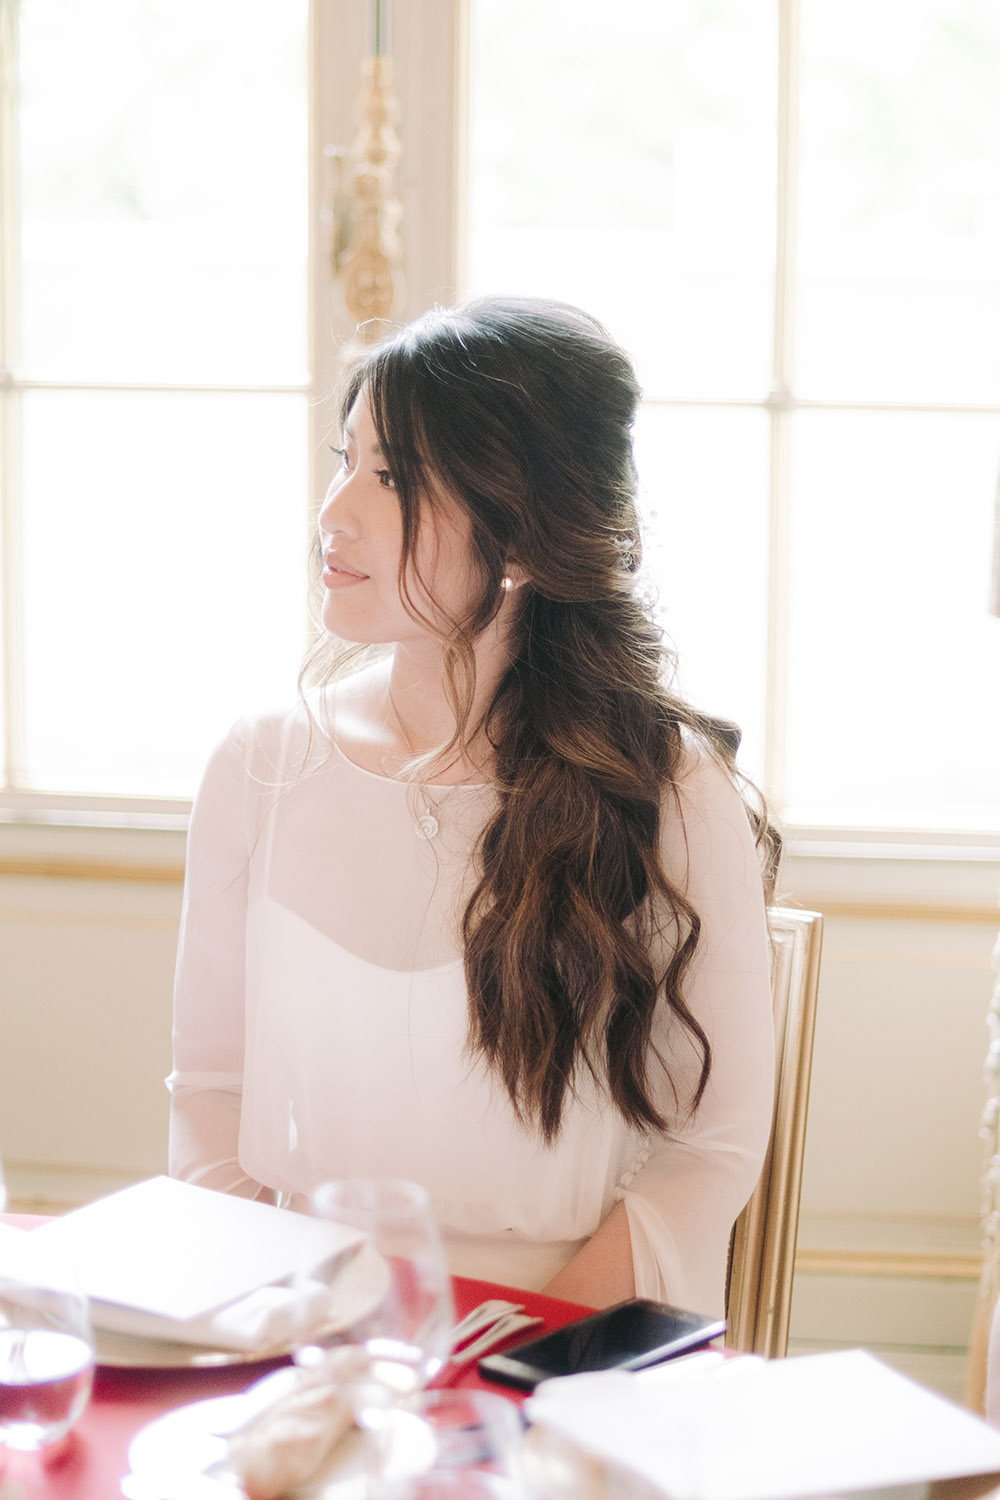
<point>296,1437</point>
<point>167,1260</point>
<point>270,1317</point>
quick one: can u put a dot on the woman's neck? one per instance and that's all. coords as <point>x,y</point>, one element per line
<point>421,715</point>
<point>398,710</point>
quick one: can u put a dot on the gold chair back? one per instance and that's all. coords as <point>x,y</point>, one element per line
<point>762,1250</point>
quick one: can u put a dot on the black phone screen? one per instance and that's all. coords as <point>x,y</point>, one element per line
<point>629,1336</point>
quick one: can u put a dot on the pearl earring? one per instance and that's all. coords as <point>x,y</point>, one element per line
<point>506,583</point>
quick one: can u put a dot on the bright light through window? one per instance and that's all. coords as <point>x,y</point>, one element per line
<point>159,400</point>
<point>820,507</point>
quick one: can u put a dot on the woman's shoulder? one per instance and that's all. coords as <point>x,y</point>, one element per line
<point>266,725</point>
<point>704,807</point>
<point>268,742</point>
<point>701,771</point>
<point>306,732</point>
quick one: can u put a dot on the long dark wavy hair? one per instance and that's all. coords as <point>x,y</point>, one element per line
<point>522,411</point>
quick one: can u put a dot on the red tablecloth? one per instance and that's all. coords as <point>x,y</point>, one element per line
<point>91,1461</point>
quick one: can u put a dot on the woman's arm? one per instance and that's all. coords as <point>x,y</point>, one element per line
<point>682,1203</point>
<point>204,1141</point>
<point>668,1236</point>
<point>600,1274</point>
<point>207,1076</point>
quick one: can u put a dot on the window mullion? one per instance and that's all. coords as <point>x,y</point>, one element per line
<point>781,400</point>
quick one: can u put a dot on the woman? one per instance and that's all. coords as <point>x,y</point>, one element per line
<point>486,910</point>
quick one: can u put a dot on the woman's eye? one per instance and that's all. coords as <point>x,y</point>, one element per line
<point>342,455</point>
<point>385,479</point>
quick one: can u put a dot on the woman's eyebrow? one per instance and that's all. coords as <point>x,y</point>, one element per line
<point>376,448</point>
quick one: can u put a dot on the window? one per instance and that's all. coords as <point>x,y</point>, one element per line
<point>790,215</point>
<point>788,212</point>
<point>155,354</point>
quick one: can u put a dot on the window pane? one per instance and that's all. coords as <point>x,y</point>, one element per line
<point>163,183</point>
<point>894,714</point>
<point>900,199</point>
<point>625,161</point>
<point>704,475</point>
<point>165,545</point>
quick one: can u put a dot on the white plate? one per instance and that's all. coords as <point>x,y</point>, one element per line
<point>121,1351</point>
<point>170,1456</point>
<point>359,1288</point>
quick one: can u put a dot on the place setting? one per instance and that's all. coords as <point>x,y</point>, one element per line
<point>179,1276</point>
<point>355,1299</point>
<point>351,1415</point>
<point>372,1393</point>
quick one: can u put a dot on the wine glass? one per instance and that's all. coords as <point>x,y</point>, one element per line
<point>472,1449</point>
<point>402,1313</point>
<point>46,1344</point>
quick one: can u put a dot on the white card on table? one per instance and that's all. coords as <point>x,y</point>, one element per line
<point>840,1424</point>
<point>179,1251</point>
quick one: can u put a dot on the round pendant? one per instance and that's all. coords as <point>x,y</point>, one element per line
<point>427,826</point>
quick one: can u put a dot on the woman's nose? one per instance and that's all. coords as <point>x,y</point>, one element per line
<point>334,513</point>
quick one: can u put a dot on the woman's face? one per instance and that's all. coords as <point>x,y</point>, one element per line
<point>361,536</point>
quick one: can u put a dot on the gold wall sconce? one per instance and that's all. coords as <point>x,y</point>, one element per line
<point>361,211</point>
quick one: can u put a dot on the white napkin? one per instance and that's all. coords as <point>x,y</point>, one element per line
<point>293,1438</point>
<point>167,1260</point>
<point>825,1424</point>
<point>270,1317</point>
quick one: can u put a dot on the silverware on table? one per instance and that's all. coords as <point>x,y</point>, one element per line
<point>482,1317</point>
<point>500,1329</point>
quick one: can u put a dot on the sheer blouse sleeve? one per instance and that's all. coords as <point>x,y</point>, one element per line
<point>686,1188</point>
<point>207,1077</point>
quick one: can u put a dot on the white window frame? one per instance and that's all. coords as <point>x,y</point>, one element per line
<point>72,835</point>
<point>846,871</point>
<point>29,817</point>
<point>843,869</point>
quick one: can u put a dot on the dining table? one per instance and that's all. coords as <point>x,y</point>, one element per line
<point>91,1461</point>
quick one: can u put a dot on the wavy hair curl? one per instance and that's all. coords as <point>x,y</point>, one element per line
<point>522,411</point>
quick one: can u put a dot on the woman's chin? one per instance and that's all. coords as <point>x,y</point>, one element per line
<point>351,626</point>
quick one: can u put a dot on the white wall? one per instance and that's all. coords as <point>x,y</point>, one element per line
<point>893,1156</point>
<point>889,1239</point>
<point>86,965</point>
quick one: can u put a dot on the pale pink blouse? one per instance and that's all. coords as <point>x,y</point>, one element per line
<point>320,1021</point>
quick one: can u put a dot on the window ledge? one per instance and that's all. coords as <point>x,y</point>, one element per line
<point>866,873</point>
<point>872,873</point>
<point>72,846</point>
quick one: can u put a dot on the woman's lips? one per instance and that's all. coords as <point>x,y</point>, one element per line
<point>337,575</point>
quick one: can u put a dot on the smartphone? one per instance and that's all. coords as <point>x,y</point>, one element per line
<point>626,1337</point>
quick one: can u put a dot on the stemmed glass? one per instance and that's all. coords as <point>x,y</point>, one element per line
<point>400,1312</point>
<point>403,1312</point>
<point>471,1449</point>
<point>46,1345</point>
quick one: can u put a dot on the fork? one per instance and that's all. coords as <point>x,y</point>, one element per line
<point>500,1329</point>
<point>483,1316</point>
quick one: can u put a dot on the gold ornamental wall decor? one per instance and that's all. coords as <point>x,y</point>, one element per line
<point>364,216</point>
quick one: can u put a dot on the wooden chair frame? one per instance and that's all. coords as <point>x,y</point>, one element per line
<point>762,1249</point>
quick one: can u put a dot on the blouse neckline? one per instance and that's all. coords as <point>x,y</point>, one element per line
<point>436,786</point>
